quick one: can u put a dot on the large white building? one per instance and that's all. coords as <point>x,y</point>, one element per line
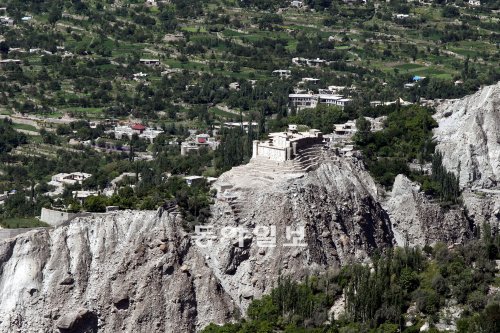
<point>284,146</point>
<point>302,101</point>
<point>150,134</point>
<point>308,62</point>
<point>245,125</point>
<point>306,101</point>
<point>142,131</point>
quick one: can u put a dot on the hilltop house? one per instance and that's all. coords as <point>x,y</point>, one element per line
<point>284,146</point>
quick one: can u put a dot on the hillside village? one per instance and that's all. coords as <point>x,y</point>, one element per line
<point>190,108</point>
<point>191,91</point>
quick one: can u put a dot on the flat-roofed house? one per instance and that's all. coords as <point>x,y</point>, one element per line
<point>343,102</point>
<point>6,62</point>
<point>329,99</point>
<point>282,73</point>
<point>150,62</point>
<point>297,3</point>
<point>150,134</point>
<point>198,142</point>
<point>302,101</point>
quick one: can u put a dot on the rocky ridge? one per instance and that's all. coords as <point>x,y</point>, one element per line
<point>469,137</point>
<point>140,271</point>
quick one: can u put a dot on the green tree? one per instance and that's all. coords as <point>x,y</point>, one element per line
<point>95,204</point>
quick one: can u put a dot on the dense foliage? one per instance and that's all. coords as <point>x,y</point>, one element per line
<point>402,285</point>
<point>407,136</point>
<point>9,137</point>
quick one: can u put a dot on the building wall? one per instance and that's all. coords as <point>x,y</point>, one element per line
<point>10,233</point>
<point>55,217</point>
<point>273,153</point>
<point>308,142</point>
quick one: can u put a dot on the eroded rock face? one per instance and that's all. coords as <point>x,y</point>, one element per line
<point>140,272</point>
<point>469,137</point>
<point>125,271</point>
<point>418,221</point>
<point>336,204</point>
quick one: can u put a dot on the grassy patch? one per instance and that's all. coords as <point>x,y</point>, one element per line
<point>20,222</point>
<point>25,127</point>
<point>222,113</point>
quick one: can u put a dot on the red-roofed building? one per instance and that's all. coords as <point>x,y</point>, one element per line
<point>139,128</point>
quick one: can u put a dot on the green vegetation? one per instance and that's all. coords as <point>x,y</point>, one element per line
<point>378,298</point>
<point>21,223</point>
<point>79,58</point>
<point>407,136</point>
<point>9,137</point>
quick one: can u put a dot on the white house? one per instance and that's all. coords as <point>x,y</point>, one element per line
<point>347,129</point>
<point>244,124</point>
<point>150,62</point>
<point>309,80</point>
<point>343,102</point>
<point>61,179</point>
<point>297,4</point>
<point>69,178</point>
<point>150,134</point>
<point>302,101</point>
<point>475,3</point>
<point>5,20</point>
<point>196,143</point>
<point>139,76</point>
<point>308,62</point>
<point>401,16</point>
<point>329,99</point>
<point>282,73</point>
<point>6,62</point>
<point>139,129</point>
<point>192,180</point>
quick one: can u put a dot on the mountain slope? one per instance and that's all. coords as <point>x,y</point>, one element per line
<point>469,137</point>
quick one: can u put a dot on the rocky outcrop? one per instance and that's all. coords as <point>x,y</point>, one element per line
<point>140,272</point>
<point>418,221</point>
<point>335,204</point>
<point>469,137</point>
<point>126,271</point>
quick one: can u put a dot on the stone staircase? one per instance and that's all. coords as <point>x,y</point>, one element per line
<point>262,172</point>
<point>308,159</point>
